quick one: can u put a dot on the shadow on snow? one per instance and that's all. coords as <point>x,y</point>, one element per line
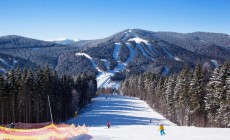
<point>104,109</point>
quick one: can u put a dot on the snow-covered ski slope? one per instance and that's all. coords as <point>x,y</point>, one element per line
<point>104,77</point>
<point>7,65</point>
<point>130,120</point>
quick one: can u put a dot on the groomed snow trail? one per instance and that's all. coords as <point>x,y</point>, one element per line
<point>6,64</point>
<point>130,120</point>
<point>103,77</point>
<point>138,43</point>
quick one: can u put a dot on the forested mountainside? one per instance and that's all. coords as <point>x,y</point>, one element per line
<point>192,98</point>
<point>24,95</point>
<point>144,51</point>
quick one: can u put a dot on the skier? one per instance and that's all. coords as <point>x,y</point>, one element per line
<point>162,129</point>
<point>12,125</point>
<point>108,124</point>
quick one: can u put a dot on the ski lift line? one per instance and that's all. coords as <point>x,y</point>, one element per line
<point>50,110</point>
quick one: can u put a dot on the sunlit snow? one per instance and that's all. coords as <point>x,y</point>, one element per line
<point>130,120</point>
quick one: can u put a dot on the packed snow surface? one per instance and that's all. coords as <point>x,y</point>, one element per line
<point>130,120</point>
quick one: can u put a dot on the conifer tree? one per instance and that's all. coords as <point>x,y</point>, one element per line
<point>223,111</point>
<point>169,96</point>
<point>211,100</point>
<point>197,104</point>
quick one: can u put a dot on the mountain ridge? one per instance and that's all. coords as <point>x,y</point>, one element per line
<point>155,52</point>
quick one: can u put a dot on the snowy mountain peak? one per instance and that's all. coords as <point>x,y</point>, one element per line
<point>64,41</point>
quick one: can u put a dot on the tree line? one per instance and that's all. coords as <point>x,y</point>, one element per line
<point>193,98</point>
<point>24,95</point>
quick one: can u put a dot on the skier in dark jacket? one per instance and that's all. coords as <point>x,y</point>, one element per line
<point>108,124</point>
<point>12,125</point>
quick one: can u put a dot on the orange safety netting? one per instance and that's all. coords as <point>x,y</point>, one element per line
<point>46,133</point>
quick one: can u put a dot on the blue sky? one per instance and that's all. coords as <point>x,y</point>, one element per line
<point>92,19</point>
